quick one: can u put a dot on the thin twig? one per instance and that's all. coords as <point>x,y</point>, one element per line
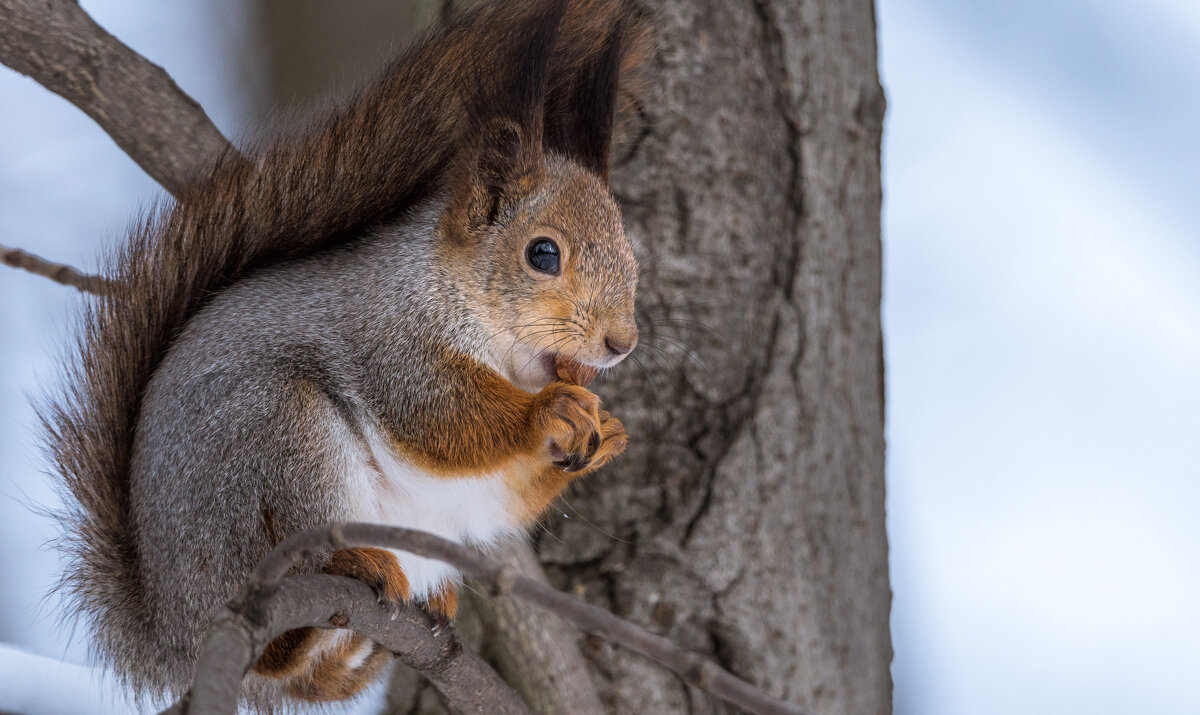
<point>59,272</point>
<point>501,580</point>
<point>158,125</point>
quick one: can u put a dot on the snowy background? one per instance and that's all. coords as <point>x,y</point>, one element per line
<point>1042,317</point>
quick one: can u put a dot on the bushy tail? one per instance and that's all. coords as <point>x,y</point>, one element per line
<point>359,166</point>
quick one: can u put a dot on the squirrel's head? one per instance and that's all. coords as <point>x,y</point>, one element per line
<point>552,270</point>
<point>531,217</point>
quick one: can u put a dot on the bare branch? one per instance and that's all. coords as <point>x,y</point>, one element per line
<point>159,126</point>
<point>500,580</point>
<point>64,274</point>
<point>248,623</point>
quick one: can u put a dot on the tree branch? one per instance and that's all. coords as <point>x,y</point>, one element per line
<point>159,126</point>
<point>58,272</point>
<point>500,580</point>
<point>263,611</point>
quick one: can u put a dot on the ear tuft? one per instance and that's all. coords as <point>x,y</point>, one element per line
<point>603,78</point>
<point>504,156</point>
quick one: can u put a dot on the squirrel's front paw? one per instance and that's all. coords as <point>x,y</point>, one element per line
<point>570,417</point>
<point>580,435</point>
<point>613,439</point>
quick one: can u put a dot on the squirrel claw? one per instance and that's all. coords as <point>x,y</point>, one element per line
<point>440,622</point>
<point>383,599</point>
<point>573,463</point>
<point>378,568</point>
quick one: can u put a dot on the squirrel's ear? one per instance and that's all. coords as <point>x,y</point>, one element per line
<point>581,109</point>
<point>503,157</point>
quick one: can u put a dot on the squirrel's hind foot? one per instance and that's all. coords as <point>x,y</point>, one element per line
<point>342,672</point>
<point>320,665</point>
<point>378,568</point>
<point>443,606</point>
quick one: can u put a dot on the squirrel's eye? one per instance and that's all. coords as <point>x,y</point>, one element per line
<point>543,255</point>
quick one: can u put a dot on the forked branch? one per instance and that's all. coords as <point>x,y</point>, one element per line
<point>500,581</point>
<point>239,634</point>
<point>159,126</point>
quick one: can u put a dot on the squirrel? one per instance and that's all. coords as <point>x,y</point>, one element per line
<point>391,316</point>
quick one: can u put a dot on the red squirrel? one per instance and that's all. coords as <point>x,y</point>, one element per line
<point>392,317</point>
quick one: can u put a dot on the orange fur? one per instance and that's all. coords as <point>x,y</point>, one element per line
<point>491,426</point>
<point>286,655</point>
<point>444,602</point>
<point>536,488</point>
<point>332,678</point>
<point>377,567</point>
<point>483,423</point>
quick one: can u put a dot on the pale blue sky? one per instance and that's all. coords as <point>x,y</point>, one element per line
<point>1042,317</point>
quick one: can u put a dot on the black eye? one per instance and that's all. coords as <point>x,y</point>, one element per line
<point>542,254</point>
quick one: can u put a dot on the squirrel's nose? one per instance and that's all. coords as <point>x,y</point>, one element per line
<point>616,346</point>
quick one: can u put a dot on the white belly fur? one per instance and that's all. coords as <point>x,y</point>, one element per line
<point>470,510</point>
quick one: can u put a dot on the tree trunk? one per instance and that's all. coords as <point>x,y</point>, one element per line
<point>746,520</point>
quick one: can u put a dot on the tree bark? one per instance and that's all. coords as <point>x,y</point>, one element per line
<point>747,519</point>
<point>537,655</point>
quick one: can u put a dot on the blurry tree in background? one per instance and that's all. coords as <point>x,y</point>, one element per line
<point>746,520</point>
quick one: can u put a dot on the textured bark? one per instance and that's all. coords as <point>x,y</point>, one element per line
<point>747,519</point>
<point>536,654</point>
<point>57,44</point>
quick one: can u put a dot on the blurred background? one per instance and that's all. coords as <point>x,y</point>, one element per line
<point>1042,320</point>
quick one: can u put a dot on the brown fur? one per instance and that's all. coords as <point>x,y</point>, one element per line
<point>491,423</point>
<point>493,426</point>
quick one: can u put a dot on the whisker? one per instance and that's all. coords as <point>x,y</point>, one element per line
<point>540,352</point>
<point>589,522</point>
<point>545,529</point>
<point>658,411</point>
<point>681,348</point>
<point>685,324</point>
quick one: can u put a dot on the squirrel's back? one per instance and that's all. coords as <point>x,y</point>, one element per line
<point>250,422</point>
<point>363,165</point>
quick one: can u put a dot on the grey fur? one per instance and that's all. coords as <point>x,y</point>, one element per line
<point>227,432</point>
